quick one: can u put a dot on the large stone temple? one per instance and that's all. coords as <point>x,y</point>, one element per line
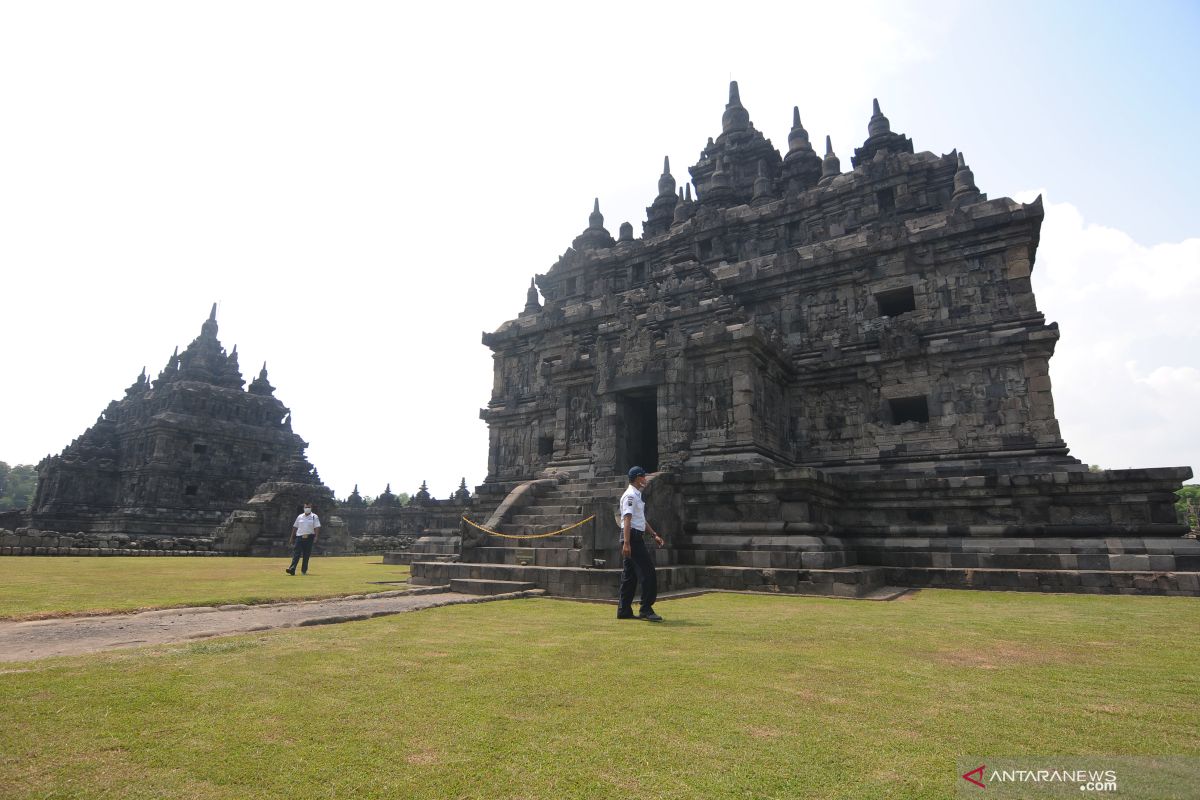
<point>841,378</point>
<point>178,454</point>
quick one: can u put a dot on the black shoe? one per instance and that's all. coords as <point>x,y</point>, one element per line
<point>624,615</point>
<point>650,616</point>
<point>289,570</point>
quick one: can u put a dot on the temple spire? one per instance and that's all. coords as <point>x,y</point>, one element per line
<point>965,190</point>
<point>666,183</point>
<point>260,385</point>
<point>879,124</point>
<point>736,117</point>
<point>595,236</point>
<point>798,137</point>
<point>831,167</point>
<point>532,305</point>
<point>209,328</point>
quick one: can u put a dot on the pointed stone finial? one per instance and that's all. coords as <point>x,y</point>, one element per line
<point>596,219</point>
<point>234,353</point>
<point>879,124</point>
<point>798,137</point>
<point>356,488</point>
<point>735,118</point>
<point>625,233</point>
<point>388,490</point>
<point>687,197</point>
<point>831,167</point>
<point>532,305</point>
<point>666,183</point>
<point>682,208</point>
<point>262,373</point>
<point>209,328</point>
<point>965,190</point>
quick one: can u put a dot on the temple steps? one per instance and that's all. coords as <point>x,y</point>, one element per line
<point>488,587</point>
<point>603,583</point>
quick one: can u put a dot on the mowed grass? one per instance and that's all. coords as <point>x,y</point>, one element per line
<point>33,587</point>
<point>735,696</point>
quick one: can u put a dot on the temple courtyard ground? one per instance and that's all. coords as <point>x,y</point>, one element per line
<point>733,696</point>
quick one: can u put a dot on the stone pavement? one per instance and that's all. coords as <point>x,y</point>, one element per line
<point>26,641</point>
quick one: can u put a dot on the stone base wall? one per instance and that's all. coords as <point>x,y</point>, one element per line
<point>33,542</point>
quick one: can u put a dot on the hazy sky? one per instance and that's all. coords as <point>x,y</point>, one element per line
<point>366,187</point>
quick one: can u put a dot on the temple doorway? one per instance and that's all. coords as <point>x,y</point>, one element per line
<point>637,430</point>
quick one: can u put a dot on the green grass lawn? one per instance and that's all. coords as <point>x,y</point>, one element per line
<point>735,696</point>
<point>33,586</point>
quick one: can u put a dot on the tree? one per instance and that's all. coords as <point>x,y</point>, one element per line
<point>1187,506</point>
<point>17,486</point>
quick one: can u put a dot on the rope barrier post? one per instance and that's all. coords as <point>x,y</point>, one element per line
<point>587,542</point>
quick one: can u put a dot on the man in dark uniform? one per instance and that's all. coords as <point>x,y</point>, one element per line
<point>636,562</point>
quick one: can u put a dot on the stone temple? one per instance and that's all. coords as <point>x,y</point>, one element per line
<point>175,456</point>
<point>840,377</point>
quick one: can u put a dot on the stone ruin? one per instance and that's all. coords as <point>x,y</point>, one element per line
<point>841,379</point>
<point>192,461</point>
<point>196,463</point>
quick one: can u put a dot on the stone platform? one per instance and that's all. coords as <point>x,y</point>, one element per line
<point>808,531</point>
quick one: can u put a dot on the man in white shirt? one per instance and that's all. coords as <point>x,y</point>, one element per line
<point>636,562</point>
<point>305,531</point>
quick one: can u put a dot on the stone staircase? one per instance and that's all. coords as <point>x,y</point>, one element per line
<point>551,508</point>
<point>768,556</point>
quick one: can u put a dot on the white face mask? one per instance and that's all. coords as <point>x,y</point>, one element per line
<point>307,510</point>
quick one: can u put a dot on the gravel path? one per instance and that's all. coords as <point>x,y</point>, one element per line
<point>26,641</point>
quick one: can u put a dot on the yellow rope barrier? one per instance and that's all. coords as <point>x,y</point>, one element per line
<point>528,535</point>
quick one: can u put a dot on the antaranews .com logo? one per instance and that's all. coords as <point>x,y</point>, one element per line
<point>1142,777</point>
<point>1086,780</point>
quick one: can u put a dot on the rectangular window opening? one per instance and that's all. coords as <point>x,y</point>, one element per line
<point>886,200</point>
<point>199,448</point>
<point>265,457</point>
<point>191,490</point>
<point>571,285</point>
<point>895,302</point>
<point>706,248</point>
<point>637,274</point>
<point>909,409</point>
<point>545,445</point>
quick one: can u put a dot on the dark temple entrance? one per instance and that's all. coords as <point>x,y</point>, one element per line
<point>637,430</point>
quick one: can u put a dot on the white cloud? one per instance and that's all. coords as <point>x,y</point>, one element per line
<point>1126,387</point>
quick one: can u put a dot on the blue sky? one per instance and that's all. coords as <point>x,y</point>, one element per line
<point>366,187</point>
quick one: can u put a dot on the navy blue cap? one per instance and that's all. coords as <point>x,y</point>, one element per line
<point>636,471</point>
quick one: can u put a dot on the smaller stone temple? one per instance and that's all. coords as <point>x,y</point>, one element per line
<point>176,455</point>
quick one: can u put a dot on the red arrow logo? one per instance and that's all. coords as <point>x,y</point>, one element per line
<point>978,773</point>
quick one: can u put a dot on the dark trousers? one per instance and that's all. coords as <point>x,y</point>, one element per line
<point>639,566</point>
<point>303,549</point>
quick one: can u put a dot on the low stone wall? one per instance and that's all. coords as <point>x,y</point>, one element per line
<point>33,542</point>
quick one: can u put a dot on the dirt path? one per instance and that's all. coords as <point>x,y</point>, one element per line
<point>26,641</point>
